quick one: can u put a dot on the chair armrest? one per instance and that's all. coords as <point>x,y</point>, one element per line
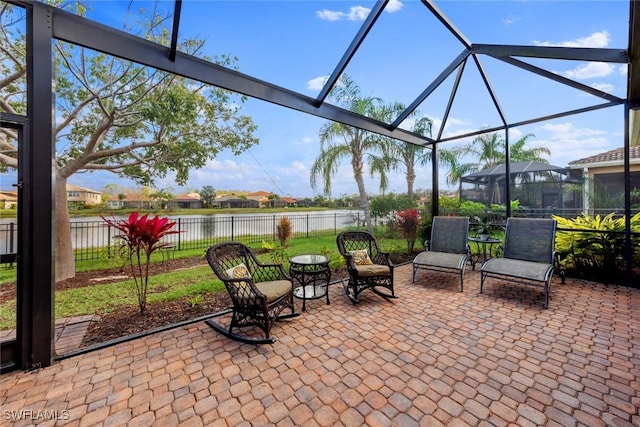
<point>383,258</point>
<point>264,272</point>
<point>348,259</point>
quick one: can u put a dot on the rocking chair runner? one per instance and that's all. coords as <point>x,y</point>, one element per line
<point>259,292</point>
<point>368,266</point>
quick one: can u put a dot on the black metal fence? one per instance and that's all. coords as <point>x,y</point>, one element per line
<point>92,239</point>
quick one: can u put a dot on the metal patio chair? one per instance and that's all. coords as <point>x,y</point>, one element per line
<point>259,292</point>
<point>448,249</point>
<point>368,266</point>
<point>528,255</point>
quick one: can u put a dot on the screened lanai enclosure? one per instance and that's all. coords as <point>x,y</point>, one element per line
<point>538,187</point>
<point>578,92</point>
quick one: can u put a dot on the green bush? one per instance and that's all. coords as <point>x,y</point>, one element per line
<point>472,209</point>
<point>596,255</point>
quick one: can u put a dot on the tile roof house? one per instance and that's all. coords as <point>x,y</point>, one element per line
<point>8,199</point>
<point>187,201</point>
<point>605,171</point>
<point>81,196</point>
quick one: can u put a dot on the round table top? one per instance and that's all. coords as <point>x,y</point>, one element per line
<point>480,240</point>
<point>309,259</point>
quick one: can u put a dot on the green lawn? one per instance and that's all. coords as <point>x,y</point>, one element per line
<point>173,285</point>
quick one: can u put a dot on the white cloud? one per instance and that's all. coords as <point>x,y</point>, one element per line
<point>510,20</point>
<point>317,84</point>
<point>598,39</point>
<point>575,142</point>
<point>356,13</point>
<point>605,87</point>
<point>589,71</point>
<point>623,70</point>
<point>393,6</point>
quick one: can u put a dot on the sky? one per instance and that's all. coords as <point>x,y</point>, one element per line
<point>296,44</point>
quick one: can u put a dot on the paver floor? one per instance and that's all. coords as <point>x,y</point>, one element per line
<point>434,356</point>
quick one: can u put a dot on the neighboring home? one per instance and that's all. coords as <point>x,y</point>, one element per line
<point>8,199</point>
<point>260,196</point>
<point>131,201</point>
<point>289,201</point>
<point>81,197</point>
<point>235,202</point>
<point>187,201</point>
<point>605,173</point>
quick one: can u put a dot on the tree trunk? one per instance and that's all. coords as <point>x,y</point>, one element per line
<point>411,179</point>
<point>65,265</point>
<point>364,201</point>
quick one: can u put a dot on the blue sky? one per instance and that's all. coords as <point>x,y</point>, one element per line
<point>295,44</point>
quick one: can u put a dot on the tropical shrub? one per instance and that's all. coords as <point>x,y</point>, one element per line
<point>471,209</point>
<point>597,254</point>
<point>448,205</point>
<point>283,230</point>
<point>407,221</point>
<point>141,236</point>
<point>424,228</point>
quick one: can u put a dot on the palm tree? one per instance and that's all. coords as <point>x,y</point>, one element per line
<point>401,153</point>
<point>489,151</point>
<point>339,141</point>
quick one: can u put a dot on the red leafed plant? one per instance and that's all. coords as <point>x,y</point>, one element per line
<point>142,236</point>
<point>408,221</point>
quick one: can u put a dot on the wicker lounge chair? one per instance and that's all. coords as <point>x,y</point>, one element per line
<point>528,255</point>
<point>369,268</point>
<point>259,292</point>
<point>447,249</point>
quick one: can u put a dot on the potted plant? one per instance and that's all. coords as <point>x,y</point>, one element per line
<point>482,227</point>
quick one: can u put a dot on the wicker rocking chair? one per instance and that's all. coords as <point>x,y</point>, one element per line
<point>369,268</point>
<point>259,292</point>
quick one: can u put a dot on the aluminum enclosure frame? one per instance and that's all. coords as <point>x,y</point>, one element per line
<point>46,23</point>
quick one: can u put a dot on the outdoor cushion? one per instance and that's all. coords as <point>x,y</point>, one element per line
<point>274,289</point>
<point>372,270</point>
<point>361,257</point>
<point>240,271</point>
<point>514,267</point>
<point>440,259</point>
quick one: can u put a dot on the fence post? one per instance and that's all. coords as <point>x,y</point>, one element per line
<point>307,226</point>
<point>179,232</point>
<point>11,228</point>
<point>108,241</point>
<point>232,222</point>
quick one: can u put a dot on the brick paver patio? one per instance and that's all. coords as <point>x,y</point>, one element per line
<point>434,356</point>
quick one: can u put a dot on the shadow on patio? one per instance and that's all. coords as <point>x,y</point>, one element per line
<point>434,356</point>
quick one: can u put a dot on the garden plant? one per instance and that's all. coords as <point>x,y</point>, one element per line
<point>142,236</point>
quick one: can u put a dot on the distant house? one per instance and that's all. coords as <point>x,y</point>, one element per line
<point>80,197</point>
<point>605,171</point>
<point>262,197</point>
<point>289,201</point>
<point>187,201</point>
<point>8,199</point>
<point>136,201</point>
<point>234,202</point>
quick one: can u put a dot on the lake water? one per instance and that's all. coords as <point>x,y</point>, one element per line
<point>93,232</point>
